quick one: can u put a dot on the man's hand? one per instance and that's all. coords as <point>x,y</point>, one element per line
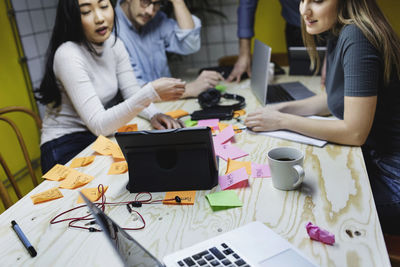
<point>243,64</point>
<point>264,119</point>
<point>162,121</point>
<point>206,79</point>
<point>169,88</point>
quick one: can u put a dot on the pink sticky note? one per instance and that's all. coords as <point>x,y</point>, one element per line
<point>260,170</point>
<point>233,180</point>
<point>224,136</point>
<point>212,123</point>
<point>319,234</point>
<point>226,151</point>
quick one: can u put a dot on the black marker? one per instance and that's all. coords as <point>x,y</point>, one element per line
<point>23,238</point>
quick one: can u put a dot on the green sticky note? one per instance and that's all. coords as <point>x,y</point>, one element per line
<point>221,88</point>
<point>224,200</point>
<point>190,123</point>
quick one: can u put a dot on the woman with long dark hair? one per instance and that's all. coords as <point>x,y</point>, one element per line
<point>362,91</point>
<point>87,68</point>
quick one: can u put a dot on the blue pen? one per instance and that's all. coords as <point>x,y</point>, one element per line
<point>23,238</point>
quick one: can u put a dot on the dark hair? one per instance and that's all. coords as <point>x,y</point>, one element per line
<point>67,27</point>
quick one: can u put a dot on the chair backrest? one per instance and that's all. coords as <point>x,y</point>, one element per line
<point>4,195</point>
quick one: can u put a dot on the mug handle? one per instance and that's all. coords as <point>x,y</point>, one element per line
<point>300,172</point>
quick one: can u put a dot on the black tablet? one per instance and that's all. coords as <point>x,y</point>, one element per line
<point>169,160</point>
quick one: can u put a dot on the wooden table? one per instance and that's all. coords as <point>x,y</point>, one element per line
<point>336,196</point>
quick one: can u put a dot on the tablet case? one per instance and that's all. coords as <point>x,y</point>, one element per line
<point>169,160</point>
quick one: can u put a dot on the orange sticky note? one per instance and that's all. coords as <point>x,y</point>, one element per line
<point>81,162</point>
<point>238,113</point>
<point>75,179</point>
<point>222,126</point>
<point>118,168</point>
<point>51,194</point>
<point>177,113</point>
<point>234,165</point>
<point>92,194</point>
<point>103,145</point>
<point>128,128</point>
<point>117,153</point>
<point>187,197</point>
<point>57,173</point>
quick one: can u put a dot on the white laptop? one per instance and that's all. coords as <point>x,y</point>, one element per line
<point>259,80</point>
<point>251,245</point>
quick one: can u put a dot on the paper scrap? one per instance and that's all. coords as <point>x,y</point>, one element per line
<point>75,179</point>
<point>128,128</point>
<point>190,123</point>
<point>222,126</point>
<point>92,194</point>
<point>260,170</point>
<point>234,165</point>
<point>118,168</point>
<point>176,114</point>
<point>57,173</point>
<point>223,200</point>
<point>226,151</point>
<point>116,153</point>
<point>320,234</point>
<point>51,194</point>
<point>238,113</point>
<point>187,197</point>
<point>212,123</point>
<point>81,162</point>
<point>103,145</point>
<point>221,88</point>
<point>224,136</point>
<point>233,180</point>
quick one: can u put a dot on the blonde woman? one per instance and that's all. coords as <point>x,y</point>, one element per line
<point>362,91</point>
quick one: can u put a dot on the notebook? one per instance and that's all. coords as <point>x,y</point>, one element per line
<point>275,92</point>
<point>251,245</point>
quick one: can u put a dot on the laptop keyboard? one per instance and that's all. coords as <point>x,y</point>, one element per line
<point>216,256</point>
<point>276,93</point>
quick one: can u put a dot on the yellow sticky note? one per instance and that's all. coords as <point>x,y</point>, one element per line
<point>177,113</point>
<point>92,194</point>
<point>222,126</point>
<point>57,173</point>
<point>187,197</point>
<point>118,167</point>
<point>128,128</point>
<point>75,179</point>
<point>51,194</point>
<point>117,153</point>
<point>238,113</point>
<point>81,162</point>
<point>234,165</point>
<point>103,145</point>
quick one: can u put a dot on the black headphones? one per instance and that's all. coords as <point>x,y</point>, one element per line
<point>210,98</point>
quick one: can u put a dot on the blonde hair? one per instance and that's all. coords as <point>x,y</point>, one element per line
<point>366,15</point>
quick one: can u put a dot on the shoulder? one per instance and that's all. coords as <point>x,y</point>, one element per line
<point>67,50</point>
<point>352,33</point>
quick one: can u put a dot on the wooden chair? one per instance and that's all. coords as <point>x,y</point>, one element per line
<point>393,247</point>
<point>3,192</point>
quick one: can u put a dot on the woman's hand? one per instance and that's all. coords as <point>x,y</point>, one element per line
<point>161,121</point>
<point>264,119</point>
<point>169,88</point>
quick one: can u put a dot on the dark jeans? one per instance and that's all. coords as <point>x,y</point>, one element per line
<point>384,176</point>
<point>64,148</point>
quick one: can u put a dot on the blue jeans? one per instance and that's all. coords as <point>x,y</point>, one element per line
<point>64,148</point>
<point>384,176</point>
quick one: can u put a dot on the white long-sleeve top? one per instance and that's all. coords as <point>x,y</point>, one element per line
<point>87,82</point>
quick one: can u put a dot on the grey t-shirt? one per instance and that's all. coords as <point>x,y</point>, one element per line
<point>354,68</point>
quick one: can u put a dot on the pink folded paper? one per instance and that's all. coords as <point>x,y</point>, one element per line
<point>233,180</point>
<point>224,136</point>
<point>260,170</point>
<point>226,151</point>
<point>319,234</point>
<point>212,123</point>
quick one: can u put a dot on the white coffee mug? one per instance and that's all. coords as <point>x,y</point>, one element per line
<point>286,164</point>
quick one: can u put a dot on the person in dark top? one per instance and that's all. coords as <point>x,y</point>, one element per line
<point>362,91</point>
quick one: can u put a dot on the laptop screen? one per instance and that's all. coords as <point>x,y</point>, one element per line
<point>129,250</point>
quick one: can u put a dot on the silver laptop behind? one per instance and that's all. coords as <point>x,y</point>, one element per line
<point>259,80</point>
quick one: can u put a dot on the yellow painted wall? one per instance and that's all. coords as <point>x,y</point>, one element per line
<point>270,26</point>
<point>13,92</point>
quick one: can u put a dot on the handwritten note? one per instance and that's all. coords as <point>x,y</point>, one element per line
<point>81,162</point>
<point>93,194</point>
<point>187,198</point>
<point>176,114</point>
<point>118,168</point>
<point>224,135</point>
<point>226,151</point>
<point>260,170</point>
<point>103,145</point>
<point>116,153</point>
<point>234,165</point>
<point>233,180</point>
<point>75,179</point>
<point>212,123</point>
<point>51,194</point>
<point>128,128</point>
<point>223,200</point>
<point>57,173</point>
